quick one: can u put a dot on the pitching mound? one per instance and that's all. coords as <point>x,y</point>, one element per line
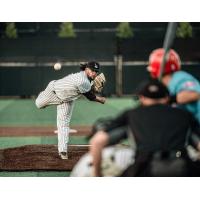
<point>39,157</point>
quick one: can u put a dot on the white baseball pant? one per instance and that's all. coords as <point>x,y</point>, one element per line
<point>64,113</point>
<point>123,157</point>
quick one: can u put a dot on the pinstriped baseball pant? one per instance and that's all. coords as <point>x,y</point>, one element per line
<point>64,113</point>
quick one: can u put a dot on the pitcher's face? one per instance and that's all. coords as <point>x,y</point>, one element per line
<point>91,74</point>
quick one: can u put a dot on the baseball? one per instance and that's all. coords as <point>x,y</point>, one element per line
<point>57,66</point>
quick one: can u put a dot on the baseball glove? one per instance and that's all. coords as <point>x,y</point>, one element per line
<point>99,83</point>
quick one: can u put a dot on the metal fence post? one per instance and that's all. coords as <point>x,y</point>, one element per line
<point>118,60</point>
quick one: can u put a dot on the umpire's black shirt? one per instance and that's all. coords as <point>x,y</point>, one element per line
<point>156,128</point>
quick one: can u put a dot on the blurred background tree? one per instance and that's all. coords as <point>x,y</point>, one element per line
<point>124,30</point>
<point>184,30</point>
<point>11,31</point>
<point>66,30</point>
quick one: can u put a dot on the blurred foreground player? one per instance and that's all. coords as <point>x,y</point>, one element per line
<point>160,132</point>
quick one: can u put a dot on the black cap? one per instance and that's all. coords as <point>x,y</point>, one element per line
<point>153,89</point>
<point>94,66</point>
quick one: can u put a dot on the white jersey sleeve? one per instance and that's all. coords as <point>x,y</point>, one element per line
<point>84,87</point>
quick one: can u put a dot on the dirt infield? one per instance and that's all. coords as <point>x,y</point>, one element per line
<point>39,157</point>
<point>40,131</point>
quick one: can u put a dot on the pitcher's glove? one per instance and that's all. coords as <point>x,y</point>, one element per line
<point>98,83</point>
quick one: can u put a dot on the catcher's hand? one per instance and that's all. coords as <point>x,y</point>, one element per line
<point>98,83</point>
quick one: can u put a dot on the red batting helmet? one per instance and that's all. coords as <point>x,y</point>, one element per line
<point>173,62</point>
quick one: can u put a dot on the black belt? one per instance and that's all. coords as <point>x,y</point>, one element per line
<point>169,154</point>
<point>163,154</point>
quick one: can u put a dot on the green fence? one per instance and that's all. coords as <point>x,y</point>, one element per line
<point>27,81</point>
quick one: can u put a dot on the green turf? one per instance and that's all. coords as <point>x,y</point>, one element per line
<point>8,142</point>
<point>24,112</point>
<point>17,112</point>
<point>35,174</point>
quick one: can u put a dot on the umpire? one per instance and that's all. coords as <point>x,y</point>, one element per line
<point>161,134</point>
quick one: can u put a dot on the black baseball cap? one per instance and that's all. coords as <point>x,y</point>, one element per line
<point>153,89</point>
<point>94,66</point>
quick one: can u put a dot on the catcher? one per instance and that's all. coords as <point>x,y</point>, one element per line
<point>159,131</point>
<point>65,91</point>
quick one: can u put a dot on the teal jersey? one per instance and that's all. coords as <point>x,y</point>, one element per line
<point>184,81</point>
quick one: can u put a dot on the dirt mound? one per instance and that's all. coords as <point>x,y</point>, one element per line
<point>39,157</point>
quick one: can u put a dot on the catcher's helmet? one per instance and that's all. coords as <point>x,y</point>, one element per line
<point>173,62</point>
<point>94,66</point>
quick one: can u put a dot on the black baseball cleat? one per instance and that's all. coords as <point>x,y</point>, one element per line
<point>63,155</point>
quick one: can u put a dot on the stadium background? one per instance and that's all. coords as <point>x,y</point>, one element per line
<point>26,68</point>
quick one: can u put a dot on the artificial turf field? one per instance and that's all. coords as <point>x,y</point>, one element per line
<point>23,113</point>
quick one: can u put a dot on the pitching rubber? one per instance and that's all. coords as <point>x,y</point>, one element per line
<point>70,131</point>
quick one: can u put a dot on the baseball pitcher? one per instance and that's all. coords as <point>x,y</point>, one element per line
<point>65,91</point>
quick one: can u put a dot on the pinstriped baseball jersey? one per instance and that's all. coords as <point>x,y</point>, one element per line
<point>72,86</point>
